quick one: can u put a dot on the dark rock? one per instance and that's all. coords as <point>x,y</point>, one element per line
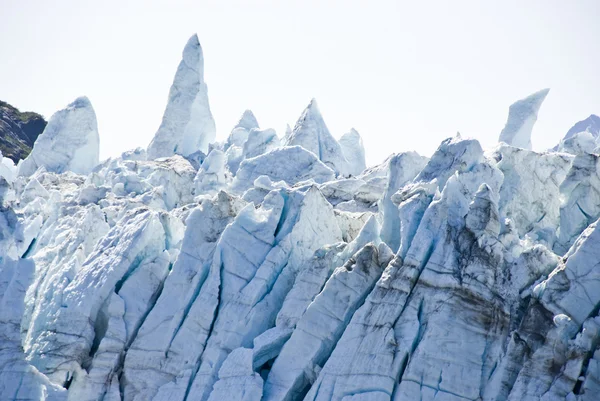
<point>18,131</point>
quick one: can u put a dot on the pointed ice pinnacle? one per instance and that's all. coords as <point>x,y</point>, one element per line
<point>70,142</point>
<point>522,115</point>
<point>582,137</point>
<point>288,131</point>
<point>590,124</point>
<point>187,124</point>
<point>247,121</point>
<point>354,151</point>
<point>312,134</point>
<point>239,133</point>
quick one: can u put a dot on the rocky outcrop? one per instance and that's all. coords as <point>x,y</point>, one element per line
<point>18,131</point>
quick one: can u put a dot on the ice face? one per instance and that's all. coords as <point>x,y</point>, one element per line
<point>187,125</point>
<point>312,134</point>
<point>212,175</point>
<point>354,151</point>
<point>582,137</point>
<point>291,164</point>
<point>522,115</point>
<point>247,121</point>
<point>70,142</point>
<point>8,170</point>
<point>590,125</point>
<point>248,270</point>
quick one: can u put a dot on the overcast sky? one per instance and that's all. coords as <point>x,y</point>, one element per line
<point>405,74</point>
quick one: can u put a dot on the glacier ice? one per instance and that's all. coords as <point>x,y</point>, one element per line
<point>312,134</point>
<point>583,137</point>
<point>212,175</point>
<point>354,151</point>
<point>247,121</point>
<point>239,134</point>
<point>590,125</point>
<point>70,142</point>
<point>259,142</point>
<point>187,125</point>
<point>522,116</point>
<point>8,169</point>
<point>261,269</point>
<point>402,168</point>
<point>292,164</point>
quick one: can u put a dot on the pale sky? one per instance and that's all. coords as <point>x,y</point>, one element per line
<point>405,74</point>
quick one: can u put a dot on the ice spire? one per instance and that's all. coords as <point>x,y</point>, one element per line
<point>247,121</point>
<point>239,133</point>
<point>522,115</point>
<point>583,137</point>
<point>187,124</point>
<point>288,133</point>
<point>312,134</point>
<point>590,124</point>
<point>354,151</point>
<point>70,142</point>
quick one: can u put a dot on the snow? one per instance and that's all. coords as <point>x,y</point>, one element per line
<point>70,142</point>
<point>187,125</point>
<point>253,270</point>
<point>522,116</point>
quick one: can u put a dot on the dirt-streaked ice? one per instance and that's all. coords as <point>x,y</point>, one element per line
<point>260,269</point>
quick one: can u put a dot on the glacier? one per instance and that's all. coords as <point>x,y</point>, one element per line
<point>583,137</point>
<point>522,116</point>
<point>282,268</point>
<point>70,142</point>
<point>187,125</point>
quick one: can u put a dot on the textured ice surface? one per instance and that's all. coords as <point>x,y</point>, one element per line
<point>522,116</point>
<point>530,194</point>
<point>583,137</point>
<point>70,142</point>
<point>187,125</point>
<point>291,164</point>
<point>354,151</point>
<point>312,134</point>
<point>8,169</point>
<point>239,134</point>
<point>590,125</point>
<point>212,175</point>
<point>259,142</point>
<point>253,271</point>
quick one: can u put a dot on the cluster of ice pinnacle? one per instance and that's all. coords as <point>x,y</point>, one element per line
<point>282,269</point>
